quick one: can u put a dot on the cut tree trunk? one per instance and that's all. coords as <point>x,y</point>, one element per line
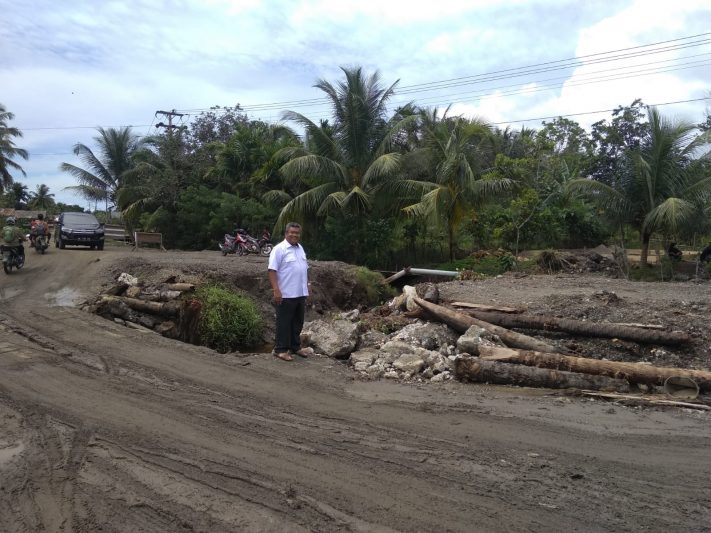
<point>588,329</point>
<point>479,370</point>
<point>632,372</point>
<point>169,309</point>
<point>461,322</point>
<point>182,287</point>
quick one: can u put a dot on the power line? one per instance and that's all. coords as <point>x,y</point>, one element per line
<point>501,74</point>
<point>574,81</point>
<point>596,112</point>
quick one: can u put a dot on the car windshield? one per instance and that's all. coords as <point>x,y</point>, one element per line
<point>79,218</point>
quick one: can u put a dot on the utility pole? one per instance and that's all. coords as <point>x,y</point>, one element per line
<point>169,114</point>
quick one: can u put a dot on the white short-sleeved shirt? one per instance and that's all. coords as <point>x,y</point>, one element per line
<point>289,262</point>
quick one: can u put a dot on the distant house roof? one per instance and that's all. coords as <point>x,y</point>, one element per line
<point>20,213</point>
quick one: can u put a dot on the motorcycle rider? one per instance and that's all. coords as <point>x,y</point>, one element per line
<point>12,237</point>
<point>38,227</point>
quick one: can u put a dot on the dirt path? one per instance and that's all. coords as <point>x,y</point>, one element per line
<point>102,427</point>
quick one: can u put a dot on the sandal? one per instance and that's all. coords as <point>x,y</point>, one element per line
<point>284,356</point>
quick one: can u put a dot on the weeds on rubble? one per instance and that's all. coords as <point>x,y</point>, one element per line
<point>228,320</point>
<point>550,261</point>
<point>371,284</point>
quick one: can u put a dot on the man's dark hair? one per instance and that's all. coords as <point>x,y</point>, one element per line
<point>40,216</point>
<point>290,225</point>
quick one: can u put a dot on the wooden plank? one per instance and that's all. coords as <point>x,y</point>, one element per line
<point>482,307</point>
<point>144,237</point>
<point>647,399</point>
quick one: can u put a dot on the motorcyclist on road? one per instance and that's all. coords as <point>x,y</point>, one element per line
<point>38,227</point>
<point>12,237</point>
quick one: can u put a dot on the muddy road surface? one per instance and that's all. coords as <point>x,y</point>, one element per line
<point>103,428</point>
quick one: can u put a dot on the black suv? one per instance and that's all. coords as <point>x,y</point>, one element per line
<point>79,228</point>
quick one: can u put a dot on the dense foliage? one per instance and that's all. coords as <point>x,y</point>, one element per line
<point>386,188</point>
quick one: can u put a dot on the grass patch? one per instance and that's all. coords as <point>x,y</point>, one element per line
<point>370,285</point>
<point>228,320</point>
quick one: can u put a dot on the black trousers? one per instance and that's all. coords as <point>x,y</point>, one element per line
<point>289,322</point>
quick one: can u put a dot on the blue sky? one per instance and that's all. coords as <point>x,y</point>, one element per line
<point>73,65</point>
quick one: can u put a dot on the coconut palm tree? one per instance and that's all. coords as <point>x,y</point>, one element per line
<point>20,195</point>
<point>345,163</point>
<point>104,173</point>
<point>8,150</point>
<point>664,192</point>
<point>41,199</point>
<point>455,185</point>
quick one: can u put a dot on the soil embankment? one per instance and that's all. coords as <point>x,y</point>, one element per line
<point>103,427</point>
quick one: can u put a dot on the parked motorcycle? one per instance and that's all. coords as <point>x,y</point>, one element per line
<point>265,245</point>
<point>10,258</point>
<point>241,243</point>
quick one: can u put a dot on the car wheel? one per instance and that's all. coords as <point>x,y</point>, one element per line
<point>100,246</point>
<point>61,244</point>
<point>92,246</point>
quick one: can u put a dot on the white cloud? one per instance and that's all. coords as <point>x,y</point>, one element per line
<point>74,63</point>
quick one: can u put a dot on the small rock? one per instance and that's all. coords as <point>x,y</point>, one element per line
<point>363,356</point>
<point>437,378</point>
<point>120,321</point>
<point>133,292</point>
<point>350,315</point>
<point>409,363</point>
<point>375,371</point>
<point>391,375</point>
<point>128,279</point>
<point>361,366</point>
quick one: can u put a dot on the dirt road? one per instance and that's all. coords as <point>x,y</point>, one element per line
<point>106,428</point>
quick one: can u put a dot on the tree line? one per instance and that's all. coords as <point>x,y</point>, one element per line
<point>384,188</point>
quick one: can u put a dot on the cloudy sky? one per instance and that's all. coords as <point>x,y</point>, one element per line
<point>70,66</point>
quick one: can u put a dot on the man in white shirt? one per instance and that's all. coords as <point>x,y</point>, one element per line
<point>289,277</point>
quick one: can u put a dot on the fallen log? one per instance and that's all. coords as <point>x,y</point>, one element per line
<point>585,328</point>
<point>478,370</point>
<point>160,296</point>
<point>461,322</point>
<point>117,289</point>
<point>182,287</point>
<point>645,399</point>
<point>636,325</point>
<point>632,372</point>
<point>168,309</point>
<point>482,307</point>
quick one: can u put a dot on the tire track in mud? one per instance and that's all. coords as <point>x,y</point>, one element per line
<point>127,431</point>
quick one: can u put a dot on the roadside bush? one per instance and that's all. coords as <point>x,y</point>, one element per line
<point>372,287</point>
<point>228,320</point>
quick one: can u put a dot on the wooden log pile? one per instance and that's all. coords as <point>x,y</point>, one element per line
<point>165,308</point>
<point>527,361</point>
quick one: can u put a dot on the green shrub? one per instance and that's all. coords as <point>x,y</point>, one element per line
<point>228,320</point>
<point>371,285</point>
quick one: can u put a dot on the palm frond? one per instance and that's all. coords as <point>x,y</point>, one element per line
<point>382,168</point>
<point>670,215</point>
<point>276,197</point>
